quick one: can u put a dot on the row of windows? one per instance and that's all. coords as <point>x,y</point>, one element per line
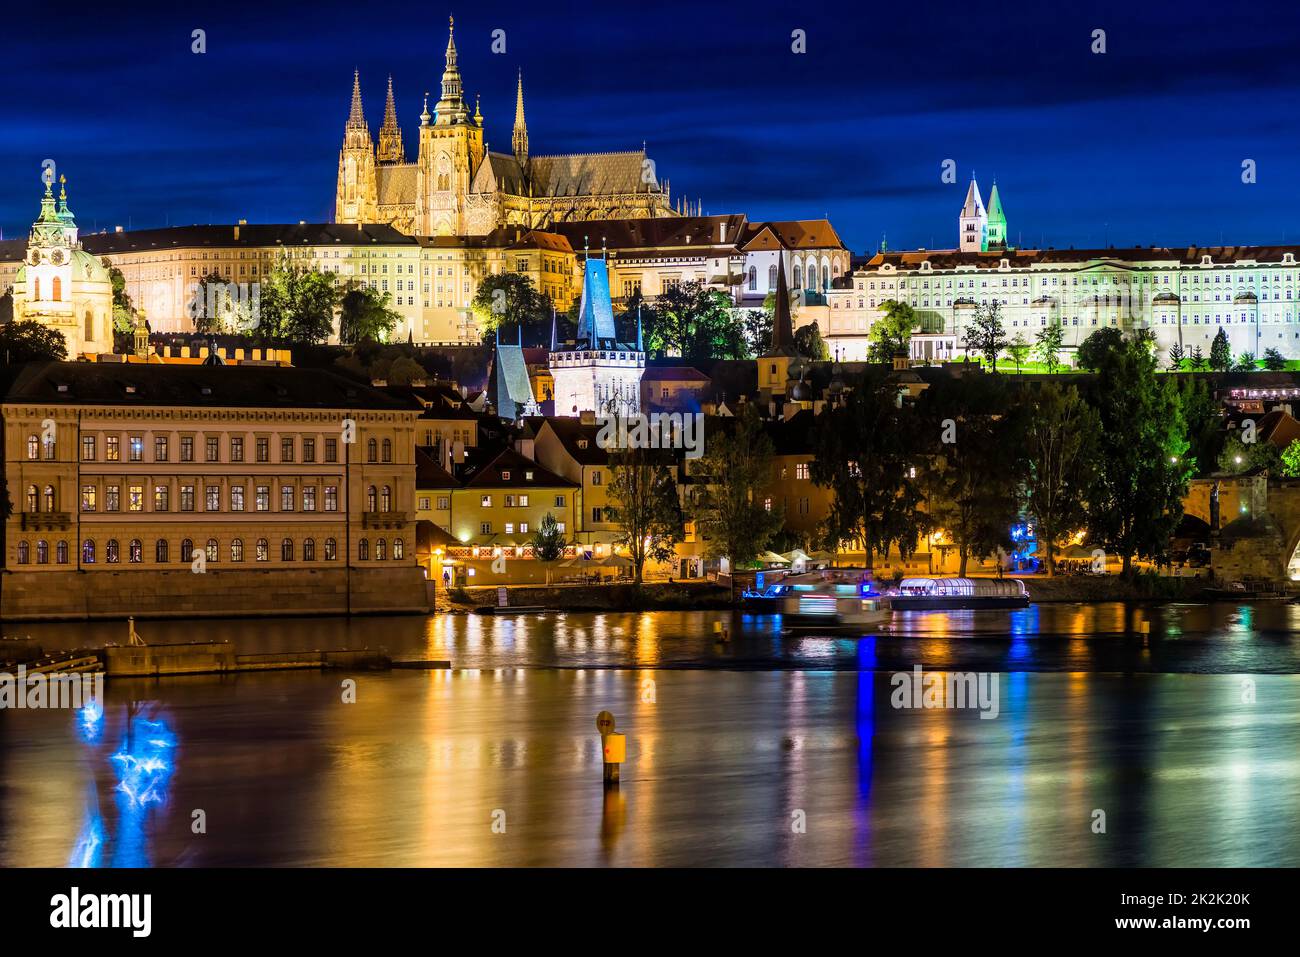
<point>375,451</point>
<point>211,551</point>
<point>47,500</point>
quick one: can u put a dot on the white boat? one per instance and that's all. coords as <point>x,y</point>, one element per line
<point>919,594</point>
<point>834,598</point>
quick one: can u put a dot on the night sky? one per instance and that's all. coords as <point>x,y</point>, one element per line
<point>1142,144</point>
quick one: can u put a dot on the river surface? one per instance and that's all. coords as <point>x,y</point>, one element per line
<point>1180,738</point>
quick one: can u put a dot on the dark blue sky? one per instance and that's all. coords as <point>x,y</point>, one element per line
<point>1142,144</point>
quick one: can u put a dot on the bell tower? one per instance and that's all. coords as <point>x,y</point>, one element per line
<point>356,199</point>
<point>451,150</point>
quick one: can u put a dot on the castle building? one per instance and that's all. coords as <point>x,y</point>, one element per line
<point>457,186</point>
<point>62,286</point>
<point>596,372</point>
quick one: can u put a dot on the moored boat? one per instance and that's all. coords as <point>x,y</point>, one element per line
<point>922,594</point>
<point>833,599</point>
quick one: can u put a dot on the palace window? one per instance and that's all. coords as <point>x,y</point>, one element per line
<point>263,550</point>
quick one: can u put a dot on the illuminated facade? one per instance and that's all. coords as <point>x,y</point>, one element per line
<point>596,372</point>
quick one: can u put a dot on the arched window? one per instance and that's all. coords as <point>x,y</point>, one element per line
<point>372,500</point>
<point>58,289</point>
<point>36,289</point>
<point>237,550</point>
<point>263,550</point>
<point>363,550</point>
<point>61,553</point>
<point>33,499</point>
<point>399,550</point>
<point>309,549</point>
<point>372,450</point>
<point>160,551</point>
<point>111,551</point>
<point>771,277</point>
<point>24,553</point>
<point>381,550</point>
<point>286,550</point>
<point>50,499</point>
<point>331,550</point>
<point>135,552</point>
<point>798,277</point>
<point>753,278</point>
<point>388,450</point>
<point>90,327</point>
<point>88,552</point>
<point>33,447</point>
<point>386,499</point>
<point>213,553</point>
<point>42,552</point>
<point>187,550</point>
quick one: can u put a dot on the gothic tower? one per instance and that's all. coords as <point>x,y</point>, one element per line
<point>390,134</point>
<point>451,149</point>
<point>356,199</point>
<point>997,221</point>
<point>973,224</point>
<point>519,139</point>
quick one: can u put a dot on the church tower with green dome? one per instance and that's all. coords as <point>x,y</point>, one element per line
<point>61,285</point>
<point>997,224</point>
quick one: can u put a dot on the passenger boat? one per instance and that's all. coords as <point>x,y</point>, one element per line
<point>833,599</point>
<point>925,594</point>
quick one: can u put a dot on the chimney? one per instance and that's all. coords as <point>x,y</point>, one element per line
<point>458,452</point>
<point>722,232</point>
<point>237,233</point>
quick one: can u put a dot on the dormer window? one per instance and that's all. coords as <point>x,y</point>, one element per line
<point>582,443</point>
<point>505,476</point>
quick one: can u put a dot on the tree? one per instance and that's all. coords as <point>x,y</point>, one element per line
<point>7,306</point>
<point>1204,417</point>
<point>695,323</point>
<point>511,299</point>
<point>1220,352</point>
<point>1141,468</point>
<point>1048,343</point>
<point>972,477</point>
<point>756,327</point>
<point>296,304</point>
<point>1098,345</point>
<point>404,370</point>
<point>1176,357</point>
<point>808,342</point>
<point>644,504</point>
<point>1290,459</point>
<point>1274,361</point>
<point>1061,437</point>
<point>365,313</point>
<point>985,334</point>
<point>1238,457</point>
<point>1246,362</point>
<point>217,305</point>
<point>726,480</point>
<point>548,543</point>
<point>26,340</point>
<point>865,453</point>
<point>1198,360</point>
<point>1018,350</point>
<point>891,334</point>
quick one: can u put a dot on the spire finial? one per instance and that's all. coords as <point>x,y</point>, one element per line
<point>519,138</point>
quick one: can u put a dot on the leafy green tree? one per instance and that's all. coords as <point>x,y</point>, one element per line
<point>1048,343</point>
<point>865,452</point>
<point>296,304</point>
<point>644,504</point>
<point>511,299</point>
<point>891,334</point>
<point>757,330</point>
<point>1018,351</point>
<point>808,342</point>
<point>726,480</point>
<point>1136,489</point>
<point>1274,361</point>
<point>986,335</point>
<point>217,305</point>
<point>366,313</point>
<point>26,340</point>
<point>1204,418</point>
<point>1060,443</point>
<point>1246,362</point>
<point>1238,457</point>
<point>1198,360</point>
<point>1220,352</point>
<point>1099,345</point>
<point>404,370</point>
<point>1291,459</point>
<point>1176,357</point>
<point>548,543</point>
<point>695,323</point>
<point>973,478</point>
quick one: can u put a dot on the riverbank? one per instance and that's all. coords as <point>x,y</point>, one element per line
<point>652,596</point>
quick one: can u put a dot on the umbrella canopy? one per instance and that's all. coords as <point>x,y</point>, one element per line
<point>772,558</point>
<point>582,562</point>
<point>617,561</point>
<point>1074,552</point>
<point>796,555</point>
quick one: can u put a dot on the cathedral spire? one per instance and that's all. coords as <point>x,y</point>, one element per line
<point>519,141</point>
<point>356,118</point>
<point>451,108</point>
<point>390,134</point>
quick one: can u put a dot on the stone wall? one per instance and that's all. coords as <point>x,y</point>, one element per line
<point>182,594</point>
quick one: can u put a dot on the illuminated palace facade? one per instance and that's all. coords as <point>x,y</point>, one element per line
<point>1182,296</point>
<point>457,186</point>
